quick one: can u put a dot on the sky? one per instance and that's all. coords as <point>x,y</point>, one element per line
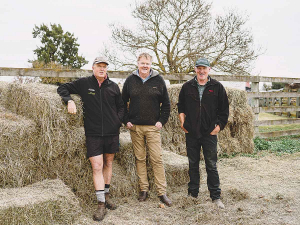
<point>274,25</point>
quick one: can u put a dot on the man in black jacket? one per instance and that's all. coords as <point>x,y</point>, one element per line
<point>149,110</point>
<point>203,111</point>
<point>103,111</point>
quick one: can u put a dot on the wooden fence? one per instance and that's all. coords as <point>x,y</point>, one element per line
<point>255,95</point>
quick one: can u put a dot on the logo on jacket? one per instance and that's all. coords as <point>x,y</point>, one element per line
<point>211,91</point>
<point>91,91</point>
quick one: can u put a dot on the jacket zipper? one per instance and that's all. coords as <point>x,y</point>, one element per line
<point>101,110</point>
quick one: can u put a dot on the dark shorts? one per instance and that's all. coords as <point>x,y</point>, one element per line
<point>100,145</point>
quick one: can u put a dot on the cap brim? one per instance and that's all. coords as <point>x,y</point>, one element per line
<point>100,62</point>
<point>201,65</point>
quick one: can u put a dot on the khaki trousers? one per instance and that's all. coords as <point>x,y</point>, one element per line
<point>152,135</point>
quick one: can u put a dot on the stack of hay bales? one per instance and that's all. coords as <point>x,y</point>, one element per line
<point>59,150</point>
<point>236,137</point>
<point>47,202</point>
<point>51,142</point>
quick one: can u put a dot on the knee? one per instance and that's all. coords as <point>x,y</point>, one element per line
<point>97,167</point>
<point>108,164</point>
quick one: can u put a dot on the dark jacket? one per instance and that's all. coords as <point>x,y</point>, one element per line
<point>103,108</point>
<point>149,101</point>
<point>202,117</point>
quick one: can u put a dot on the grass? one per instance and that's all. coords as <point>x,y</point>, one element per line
<point>278,128</point>
<point>279,145</point>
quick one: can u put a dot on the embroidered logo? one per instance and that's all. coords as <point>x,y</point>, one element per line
<point>211,91</point>
<point>91,91</point>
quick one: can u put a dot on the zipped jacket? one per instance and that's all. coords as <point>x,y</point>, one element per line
<point>202,116</point>
<point>103,108</point>
<point>148,102</point>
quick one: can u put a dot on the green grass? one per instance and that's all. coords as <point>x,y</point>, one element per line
<point>279,145</point>
<point>278,128</point>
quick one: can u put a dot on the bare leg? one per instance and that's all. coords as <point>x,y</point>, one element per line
<point>97,165</point>
<point>107,167</point>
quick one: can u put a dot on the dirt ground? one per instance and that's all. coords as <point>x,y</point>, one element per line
<point>261,190</point>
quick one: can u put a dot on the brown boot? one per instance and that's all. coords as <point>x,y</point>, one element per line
<point>100,212</point>
<point>165,199</point>
<point>108,203</point>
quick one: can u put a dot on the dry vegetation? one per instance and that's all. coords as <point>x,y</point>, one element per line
<point>40,141</point>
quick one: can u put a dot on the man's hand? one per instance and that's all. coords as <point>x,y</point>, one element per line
<point>129,125</point>
<point>216,130</point>
<point>158,125</point>
<point>71,107</point>
<point>185,130</point>
<point>182,119</point>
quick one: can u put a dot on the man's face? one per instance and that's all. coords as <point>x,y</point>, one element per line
<point>144,65</point>
<point>202,72</point>
<point>100,70</point>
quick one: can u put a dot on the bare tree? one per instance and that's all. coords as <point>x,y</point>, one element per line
<point>177,32</point>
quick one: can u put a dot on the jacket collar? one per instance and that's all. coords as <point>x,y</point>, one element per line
<point>106,81</point>
<point>153,73</point>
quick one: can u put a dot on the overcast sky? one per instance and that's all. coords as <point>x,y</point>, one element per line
<point>274,24</point>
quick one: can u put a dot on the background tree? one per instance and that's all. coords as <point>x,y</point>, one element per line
<point>57,47</point>
<point>177,32</point>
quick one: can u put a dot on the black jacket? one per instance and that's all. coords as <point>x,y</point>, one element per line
<point>202,117</point>
<point>103,108</point>
<point>149,101</point>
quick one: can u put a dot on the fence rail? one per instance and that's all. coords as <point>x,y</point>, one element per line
<point>254,96</point>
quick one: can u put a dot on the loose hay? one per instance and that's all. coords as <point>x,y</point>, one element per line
<point>236,137</point>
<point>47,202</point>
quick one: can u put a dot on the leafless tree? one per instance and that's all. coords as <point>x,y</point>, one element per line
<point>177,32</point>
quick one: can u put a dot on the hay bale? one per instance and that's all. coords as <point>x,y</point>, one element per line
<point>236,137</point>
<point>47,202</point>
<point>173,138</point>
<point>42,104</point>
<point>3,88</point>
<point>18,149</point>
<point>176,166</point>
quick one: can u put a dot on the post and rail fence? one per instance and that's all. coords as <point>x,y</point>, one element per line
<point>272,98</point>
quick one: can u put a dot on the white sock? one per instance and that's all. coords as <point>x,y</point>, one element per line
<point>100,196</point>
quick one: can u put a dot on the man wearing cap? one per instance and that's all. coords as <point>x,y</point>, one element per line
<point>103,111</point>
<point>203,111</point>
<point>149,109</point>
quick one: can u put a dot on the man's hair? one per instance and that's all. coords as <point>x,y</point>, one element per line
<point>145,55</point>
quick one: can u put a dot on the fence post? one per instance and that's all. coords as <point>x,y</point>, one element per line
<point>255,105</point>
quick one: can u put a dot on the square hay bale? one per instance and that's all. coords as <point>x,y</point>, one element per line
<point>46,202</point>
<point>236,137</point>
<point>176,166</point>
<point>3,89</point>
<point>18,149</point>
<point>42,104</point>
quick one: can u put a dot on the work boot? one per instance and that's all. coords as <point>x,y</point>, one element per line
<point>108,203</point>
<point>143,196</point>
<point>100,212</point>
<point>165,199</point>
<point>219,203</point>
